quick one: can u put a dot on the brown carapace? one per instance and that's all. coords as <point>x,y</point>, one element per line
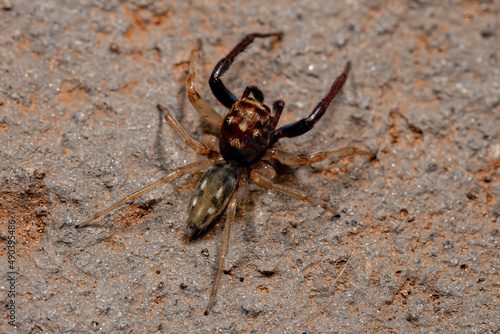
<point>246,130</point>
<point>245,141</point>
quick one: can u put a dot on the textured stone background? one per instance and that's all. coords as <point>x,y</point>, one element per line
<point>416,248</point>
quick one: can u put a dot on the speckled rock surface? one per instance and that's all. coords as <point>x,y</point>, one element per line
<point>416,248</point>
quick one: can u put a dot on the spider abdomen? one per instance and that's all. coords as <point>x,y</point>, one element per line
<point>212,195</point>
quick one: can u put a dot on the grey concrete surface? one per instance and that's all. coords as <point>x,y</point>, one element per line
<point>415,250</point>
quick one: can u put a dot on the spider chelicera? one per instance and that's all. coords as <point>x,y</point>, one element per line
<point>245,141</point>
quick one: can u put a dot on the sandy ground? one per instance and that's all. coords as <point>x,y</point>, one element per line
<point>415,250</point>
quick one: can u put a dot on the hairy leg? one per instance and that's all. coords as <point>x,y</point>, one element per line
<point>187,169</point>
<point>231,212</point>
<point>299,159</point>
<point>304,125</point>
<point>203,108</point>
<point>263,176</point>
<point>218,89</point>
<point>208,144</point>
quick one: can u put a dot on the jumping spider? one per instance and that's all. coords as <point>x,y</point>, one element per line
<point>246,137</point>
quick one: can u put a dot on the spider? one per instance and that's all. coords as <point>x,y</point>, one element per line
<point>246,138</point>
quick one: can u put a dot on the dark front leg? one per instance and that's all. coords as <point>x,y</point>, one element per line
<point>306,124</point>
<point>218,89</point>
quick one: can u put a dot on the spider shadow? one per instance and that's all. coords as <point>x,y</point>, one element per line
<point>160,149</point>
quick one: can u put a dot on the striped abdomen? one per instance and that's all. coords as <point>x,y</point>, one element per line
<point>213,192</point>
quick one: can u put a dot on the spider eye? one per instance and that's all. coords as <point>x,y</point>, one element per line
<point>226,121</point>
<point>256,135</point>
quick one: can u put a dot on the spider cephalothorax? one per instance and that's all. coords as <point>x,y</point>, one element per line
<point>245,132</point>
<point>245,141</point>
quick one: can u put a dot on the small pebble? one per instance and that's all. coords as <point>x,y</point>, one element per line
<point>39,173</point>
<point>113,47</point>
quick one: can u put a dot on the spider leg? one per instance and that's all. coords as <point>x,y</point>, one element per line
<point>304,125</point>
<point>231,212</point>
<point>298,159</point>
<point>187,169</point>
<point>208,144</point>
<point>218,89</point>
<point>263,176</point>
<point>203,108</point>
